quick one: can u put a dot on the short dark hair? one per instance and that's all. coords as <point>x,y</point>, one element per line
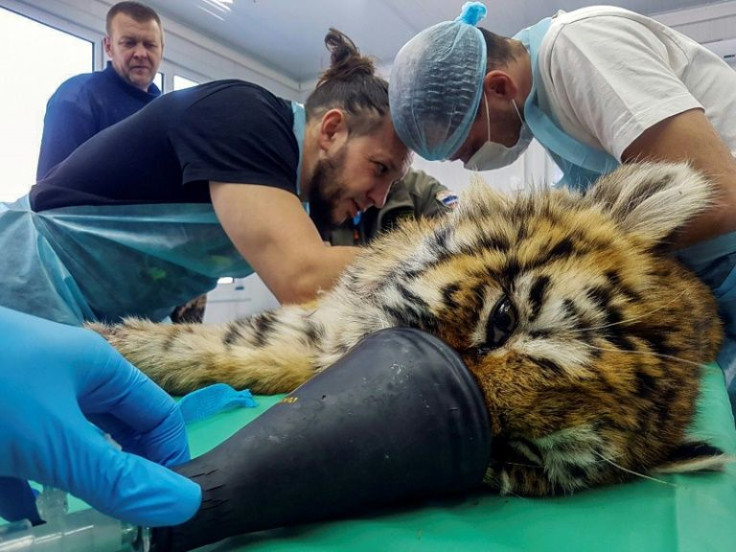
<point>135,10</point>
<point>350,84</point>
<point>500,50</point>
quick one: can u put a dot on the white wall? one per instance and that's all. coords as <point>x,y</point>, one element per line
<point>713,25</point>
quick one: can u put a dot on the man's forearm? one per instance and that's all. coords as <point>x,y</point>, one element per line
<point>321,275</point>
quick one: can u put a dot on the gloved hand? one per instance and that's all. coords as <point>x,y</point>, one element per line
<point>54,380</point>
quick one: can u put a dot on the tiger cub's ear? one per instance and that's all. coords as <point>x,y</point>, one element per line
<point>651,200</point>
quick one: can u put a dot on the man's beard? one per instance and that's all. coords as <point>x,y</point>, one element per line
<point>324,192</point>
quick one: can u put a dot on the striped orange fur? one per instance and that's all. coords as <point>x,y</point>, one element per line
<point>584,334</point>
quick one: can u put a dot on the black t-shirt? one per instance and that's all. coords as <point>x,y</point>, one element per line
<point>226,131</point>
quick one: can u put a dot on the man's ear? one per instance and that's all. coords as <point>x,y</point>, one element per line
<point>499,84</point>
<point>107,45</point>
<point>333,129</point>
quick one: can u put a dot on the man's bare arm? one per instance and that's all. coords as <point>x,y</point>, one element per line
<point>274,234</point>
<point>689,136</point>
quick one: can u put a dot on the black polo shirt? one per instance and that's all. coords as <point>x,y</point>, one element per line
<point>226,131</point>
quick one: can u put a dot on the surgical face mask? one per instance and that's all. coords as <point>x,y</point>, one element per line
<point>492,155</point>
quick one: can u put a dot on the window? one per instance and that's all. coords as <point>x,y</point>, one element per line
<point>41,59</point>
<point>159,81</point>
<point>180,83</point>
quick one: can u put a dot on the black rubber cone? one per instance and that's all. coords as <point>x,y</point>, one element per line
<point>398,418</point>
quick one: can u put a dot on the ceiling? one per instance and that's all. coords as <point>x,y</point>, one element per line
<point>287,35</point>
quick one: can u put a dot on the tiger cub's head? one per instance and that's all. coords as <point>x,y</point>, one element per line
<point>584,335</point>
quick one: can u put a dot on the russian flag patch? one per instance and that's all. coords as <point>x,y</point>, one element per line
<point>447,198</point>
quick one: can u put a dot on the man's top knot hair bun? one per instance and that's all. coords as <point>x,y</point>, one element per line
<point>345,58</point>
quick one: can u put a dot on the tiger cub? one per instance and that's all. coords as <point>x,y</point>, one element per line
<point>583,334</point>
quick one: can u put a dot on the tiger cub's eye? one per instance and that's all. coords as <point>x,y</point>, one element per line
<point>501,324</point>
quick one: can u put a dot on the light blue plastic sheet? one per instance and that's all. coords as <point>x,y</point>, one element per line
<point>104,262</point>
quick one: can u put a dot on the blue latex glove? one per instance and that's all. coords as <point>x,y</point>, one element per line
<point>54,380</point>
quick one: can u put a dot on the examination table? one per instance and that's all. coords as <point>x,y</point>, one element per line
<point>685,513</point>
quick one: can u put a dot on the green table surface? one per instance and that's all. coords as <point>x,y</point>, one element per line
<point>683,513</point>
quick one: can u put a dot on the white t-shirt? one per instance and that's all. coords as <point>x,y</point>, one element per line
<point>609,74</point>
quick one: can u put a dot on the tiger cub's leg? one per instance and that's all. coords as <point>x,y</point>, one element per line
<point>268,353</point>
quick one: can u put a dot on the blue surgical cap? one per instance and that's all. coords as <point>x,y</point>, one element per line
<point>436,84</point>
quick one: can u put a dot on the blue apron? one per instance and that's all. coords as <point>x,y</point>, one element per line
<point>580,163</point>
<point>88,263</point>
<point>714,261</point>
